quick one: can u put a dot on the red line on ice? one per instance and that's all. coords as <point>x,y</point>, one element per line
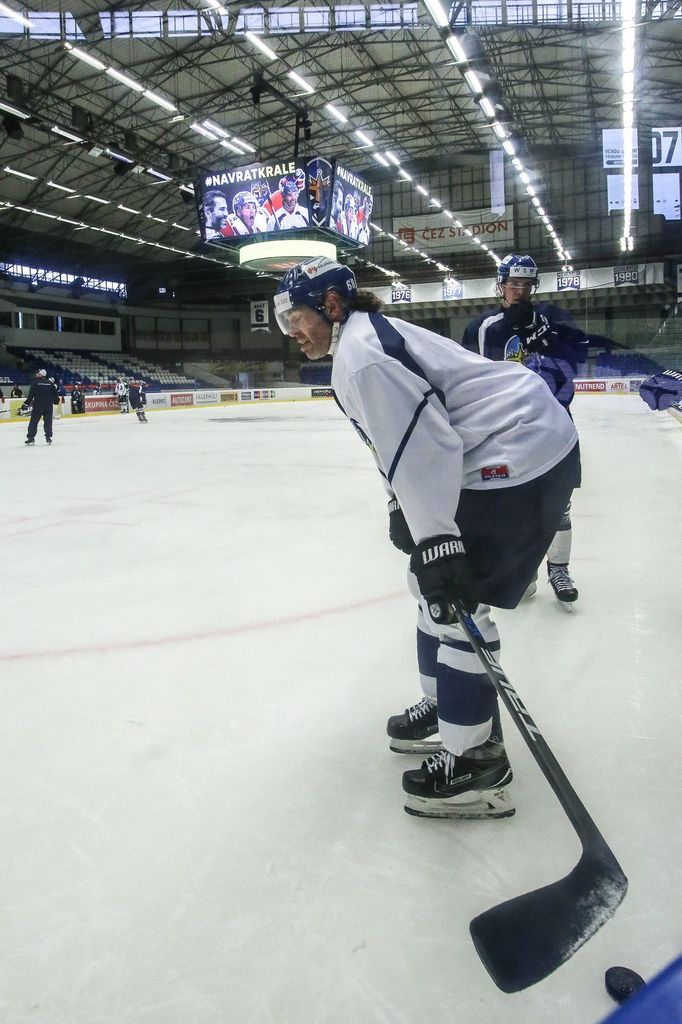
<point>211,634</point>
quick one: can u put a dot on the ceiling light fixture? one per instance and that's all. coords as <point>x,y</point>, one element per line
<point>159,100</point>
<point>245,145</point>
<point>306,86</point>
<point>438,13</point>
<point>260,45</point>
<point>13,110</point>
<point>125,79</point>
<point>158,174</point>
<point>62,188</point>
<point>336,113</point>
<point>473,81</point>
<point>456,49</point>
<point>66,135</point>
<point>85,57</point>
<point>20,174</point>
<point>15,16</point>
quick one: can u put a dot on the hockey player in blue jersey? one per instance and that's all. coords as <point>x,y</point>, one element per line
<point>478,462</point>
<point>542,337</point>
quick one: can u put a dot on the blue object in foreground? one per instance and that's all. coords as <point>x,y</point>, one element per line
<point>659,1002</point>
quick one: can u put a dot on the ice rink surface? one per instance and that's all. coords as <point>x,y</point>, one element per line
<point>204,629</point>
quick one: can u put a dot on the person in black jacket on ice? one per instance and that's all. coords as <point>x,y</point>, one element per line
<point>136,399</point>
<point>41,398</point>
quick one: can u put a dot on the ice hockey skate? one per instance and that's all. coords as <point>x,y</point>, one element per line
<point>416,730</point>
<point>562,585</point>
<point>30,440</point>
<point>470,786</point>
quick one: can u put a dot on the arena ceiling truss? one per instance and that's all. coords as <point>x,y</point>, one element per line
<point>118,202</point>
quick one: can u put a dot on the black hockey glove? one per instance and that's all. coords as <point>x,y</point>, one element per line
<point>537,337</point>
<point>533,327</point>
<point>440,566</point>
<point>662,390</point>
<point>520,316</point>
<point>398,530</point>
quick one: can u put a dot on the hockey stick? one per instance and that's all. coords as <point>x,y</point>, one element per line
<point>524,939</point>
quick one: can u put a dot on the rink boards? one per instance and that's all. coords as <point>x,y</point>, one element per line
<point>108,404</point>
<point>201,397</point>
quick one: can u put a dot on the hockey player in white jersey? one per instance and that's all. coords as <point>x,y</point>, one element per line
<point>247,217</point>
<point>121,392</point>
<point>291,214</point>
<point>479,461</point>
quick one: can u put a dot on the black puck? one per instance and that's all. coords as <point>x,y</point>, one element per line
<point>621,983</point>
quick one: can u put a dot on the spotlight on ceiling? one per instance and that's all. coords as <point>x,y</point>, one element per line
<point>121,168</point>
<point>12,126</point>
<point>81,120</point>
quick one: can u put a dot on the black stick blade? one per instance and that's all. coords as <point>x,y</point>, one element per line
<point>523,940</point>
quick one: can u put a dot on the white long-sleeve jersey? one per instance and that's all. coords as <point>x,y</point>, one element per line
<point>440,418</point>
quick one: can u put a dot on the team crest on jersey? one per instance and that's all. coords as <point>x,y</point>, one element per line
<point>513,350</point>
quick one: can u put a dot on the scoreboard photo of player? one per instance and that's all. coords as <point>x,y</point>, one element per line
<point>351,205</point>
<point>253,200</point>
<point>264,199</point>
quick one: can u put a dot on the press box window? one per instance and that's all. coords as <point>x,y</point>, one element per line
<point>71,324</point>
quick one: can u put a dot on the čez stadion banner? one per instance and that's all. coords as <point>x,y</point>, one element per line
<point>436,231</point>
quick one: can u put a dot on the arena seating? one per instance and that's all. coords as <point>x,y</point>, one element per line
<point>319,373</point>
<point>623,364</point>
<point>102,368</point>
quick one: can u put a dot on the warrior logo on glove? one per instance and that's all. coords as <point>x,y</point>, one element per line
<point>448,547</point>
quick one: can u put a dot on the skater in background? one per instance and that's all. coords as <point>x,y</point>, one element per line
<point>41,398</point>
<point>121,392</point>
<point>16,392</point>
<point>542,337</point>
<point>135,398</point>
<point>479,462</point>
<point>77,400</point>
